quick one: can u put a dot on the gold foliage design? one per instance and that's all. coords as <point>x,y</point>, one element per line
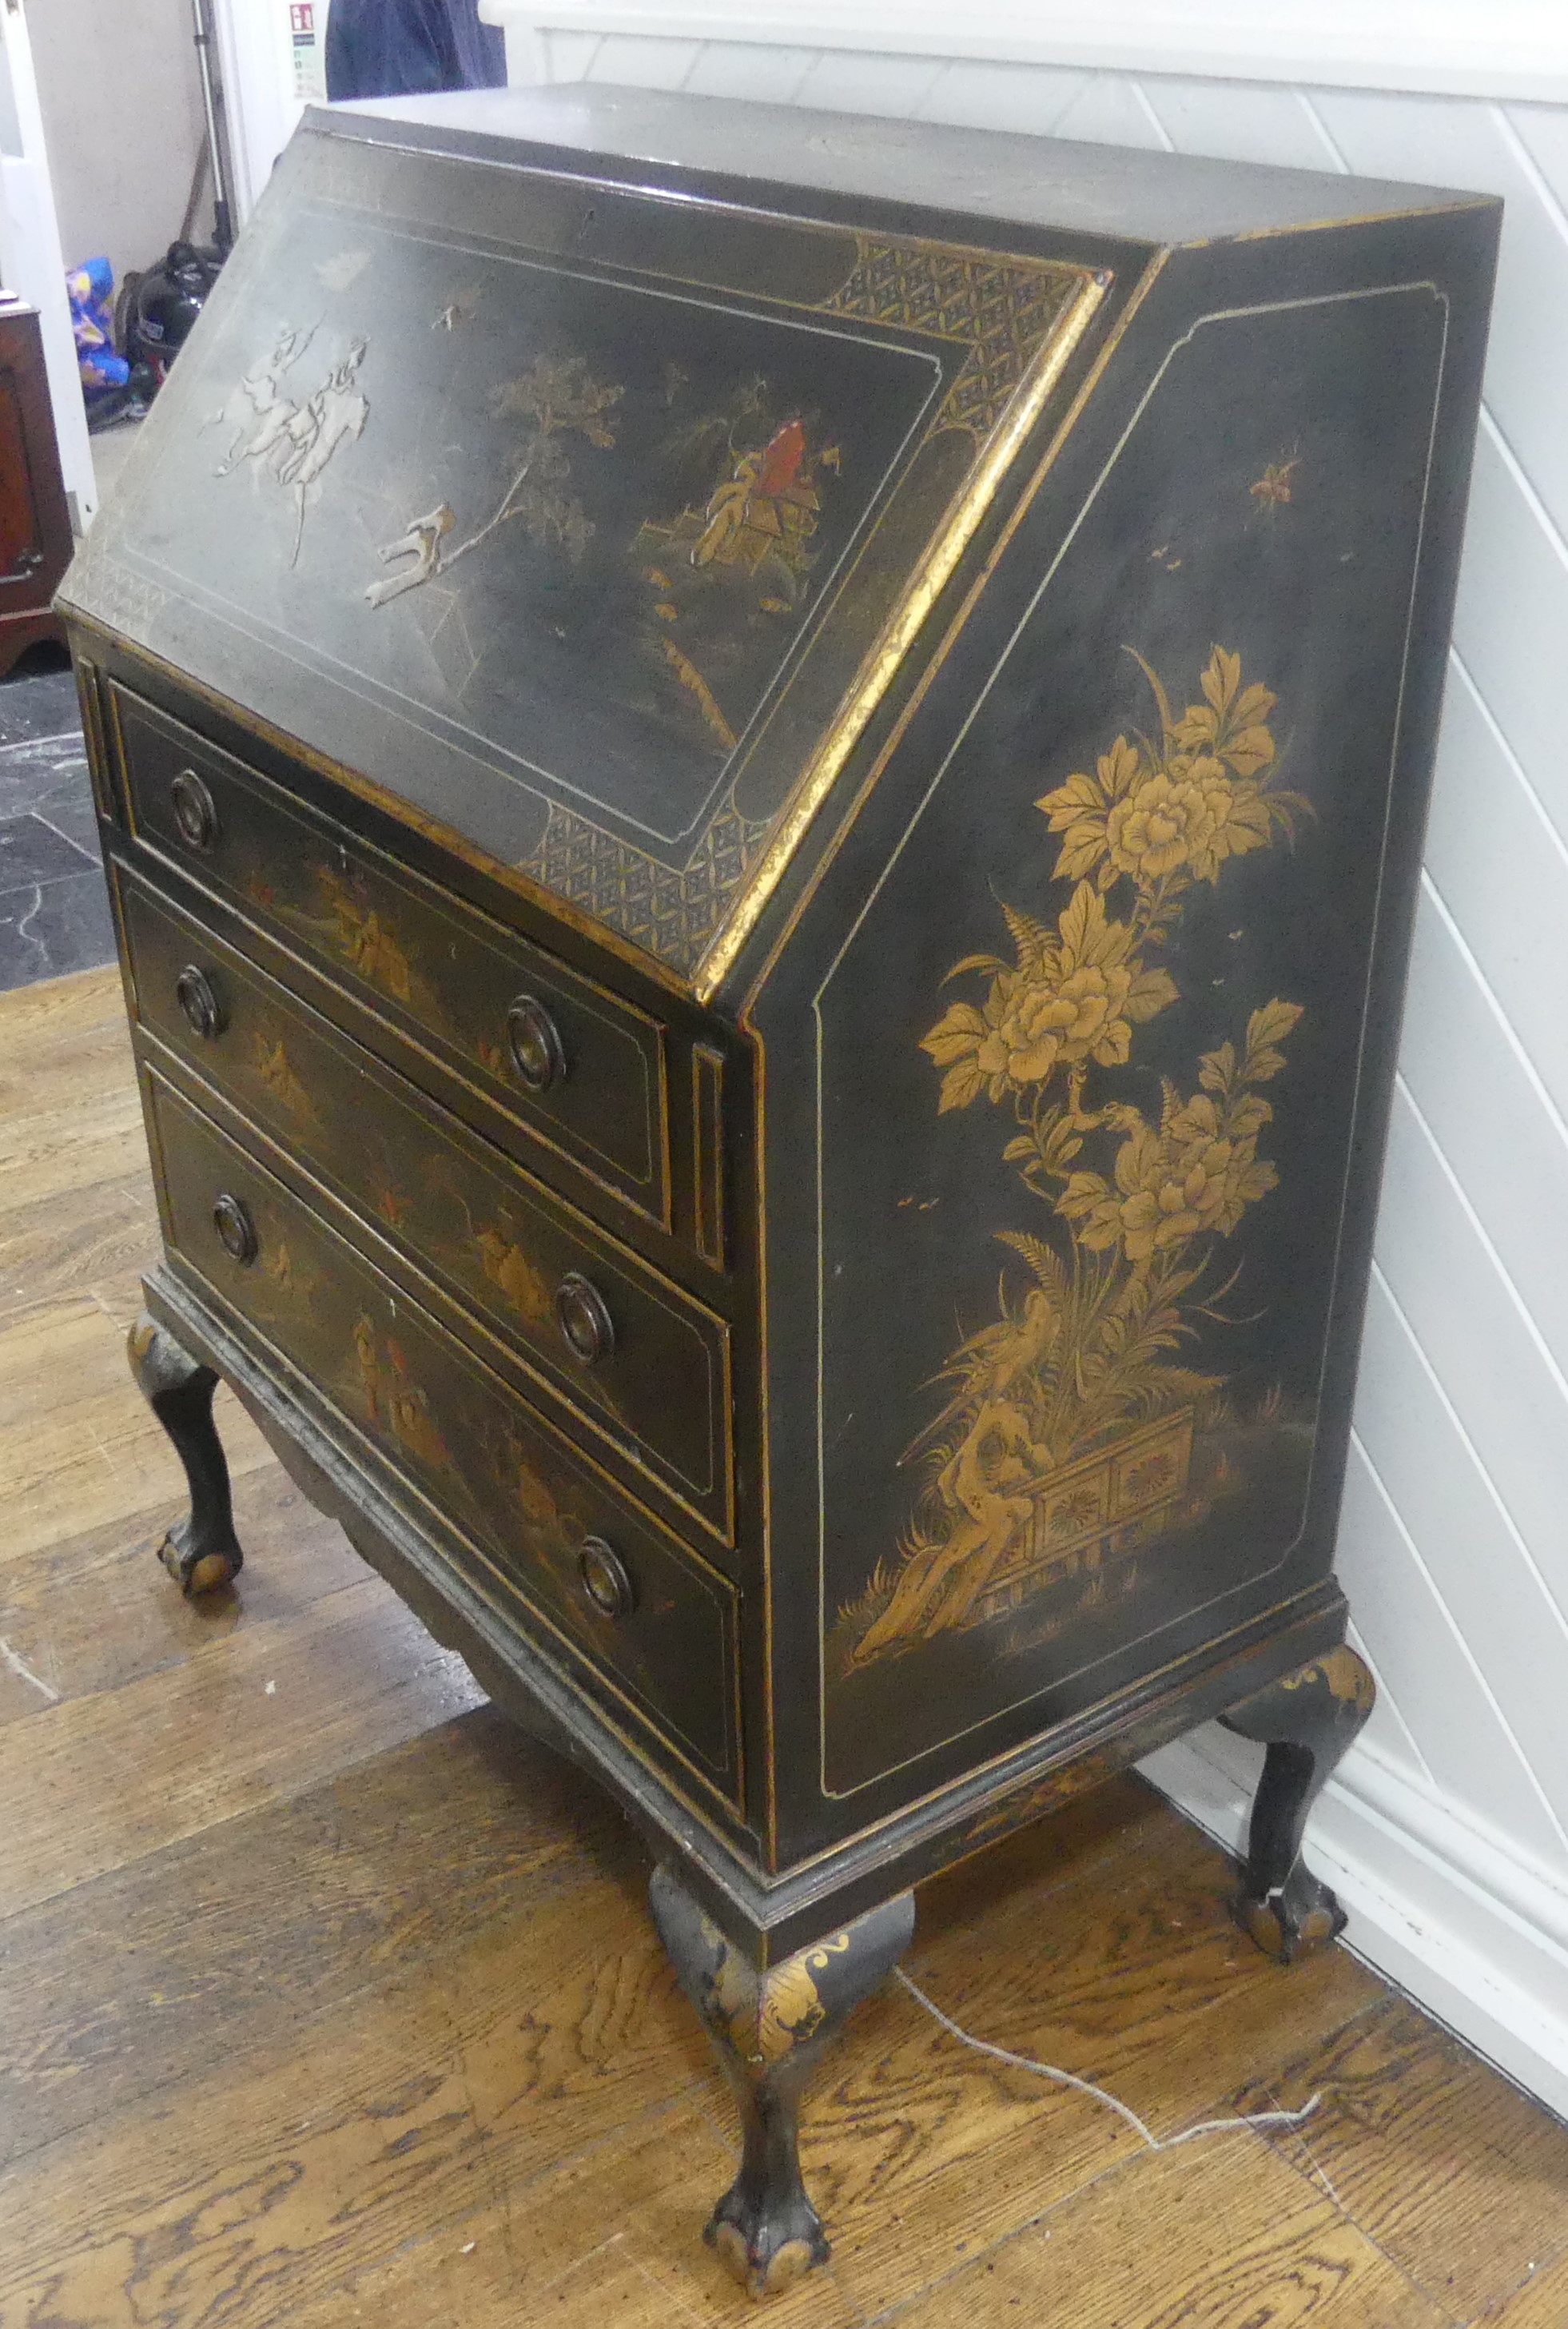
<point>509,1267</point>
<point>767,2015</point>
<point>555,395</point>
<point>790,2009</point>
<point>1343,1673</point>
<point>1068,1434</point>
<point>366,943</point>
<point>397,1406</point>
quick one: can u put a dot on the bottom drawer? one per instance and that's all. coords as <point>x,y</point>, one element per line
<point>650,1621</point>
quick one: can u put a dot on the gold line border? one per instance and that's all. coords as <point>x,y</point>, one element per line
<point>708,1153</point>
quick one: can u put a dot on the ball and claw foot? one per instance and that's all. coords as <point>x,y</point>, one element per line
<point>1306,1721</point>
<point>768,2030</point>
<point>193,1570</point>
<point>764,2246</point>
<point>1303,1916</point>
<point>201,1551</point>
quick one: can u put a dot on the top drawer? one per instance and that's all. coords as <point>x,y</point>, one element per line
<point>570,1063</point>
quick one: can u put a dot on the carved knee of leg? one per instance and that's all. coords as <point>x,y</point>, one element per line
<point>768,2028</point>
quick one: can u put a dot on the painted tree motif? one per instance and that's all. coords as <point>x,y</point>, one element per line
<point>554,395</point>
<point>1069,1426</point>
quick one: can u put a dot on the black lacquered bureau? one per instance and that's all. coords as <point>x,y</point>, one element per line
<point>762,778</point>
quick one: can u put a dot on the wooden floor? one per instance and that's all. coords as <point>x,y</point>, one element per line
<point>324,1998</point>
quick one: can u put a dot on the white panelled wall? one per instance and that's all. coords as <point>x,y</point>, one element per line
<point>1447,1831</point>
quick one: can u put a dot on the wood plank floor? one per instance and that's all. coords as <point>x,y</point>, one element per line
<point>326,1998</point>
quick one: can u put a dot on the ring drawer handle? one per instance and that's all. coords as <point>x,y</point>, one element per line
<point>582,1318</point>
<point>605,1579</point>
<point>533,1041</point>
<point>197,998</point>
<point>195,811</point>
<point>236,1229</point>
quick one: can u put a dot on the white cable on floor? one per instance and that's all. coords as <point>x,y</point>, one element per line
<point>1087,2087</point>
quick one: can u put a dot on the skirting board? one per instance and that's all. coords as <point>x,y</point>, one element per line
<point>1476,1935</point>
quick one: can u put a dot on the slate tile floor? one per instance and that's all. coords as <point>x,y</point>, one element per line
<point>53,907</point>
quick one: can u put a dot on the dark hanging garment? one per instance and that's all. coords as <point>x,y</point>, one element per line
<point>393,48</point>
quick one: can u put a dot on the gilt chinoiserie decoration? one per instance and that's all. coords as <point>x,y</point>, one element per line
<point>762,782</point>
<point>1069,1439</point>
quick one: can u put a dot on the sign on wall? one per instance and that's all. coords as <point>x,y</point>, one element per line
<point>307,41</point>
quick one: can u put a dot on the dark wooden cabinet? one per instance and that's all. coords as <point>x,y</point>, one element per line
<point>35,520</point>
<point>763,778</point>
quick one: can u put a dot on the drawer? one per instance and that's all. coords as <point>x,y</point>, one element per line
<point>582,1571</point>
<point>641,1362</point>
<point>557,1057</point>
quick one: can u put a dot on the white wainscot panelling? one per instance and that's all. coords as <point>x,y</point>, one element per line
<point>1483,1346</point>
<point>1511,623</point>
<point>632,60</point>
<point>1481,1583</point>
<point>1240,121</point>
<point>1500,867</point>
<point>1461,143</point>
<point>1466,1072</point>
<point>741,69</point>
<point>1112,110</point>
<point>1446,1828</point>
<point>552,55</point>
<point>869,84</point>
<point>1408,1635</point>
<point>1028,99</point>
<point>1544,129</point>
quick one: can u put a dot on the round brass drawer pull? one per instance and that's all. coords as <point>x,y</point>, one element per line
<point>533,1041</point>
<point>197,998</point>
<point>582,1319</point>
<point>236,1229</point>
<point>195,811</point>
<point>606,1579</point>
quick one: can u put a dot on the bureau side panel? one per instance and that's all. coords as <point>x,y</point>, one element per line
<point>1077,1091</point>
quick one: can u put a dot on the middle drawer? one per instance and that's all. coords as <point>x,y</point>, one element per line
<point>640,1362</point>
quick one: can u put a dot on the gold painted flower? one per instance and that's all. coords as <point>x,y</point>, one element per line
<point>1177,815</point>
<point>1197,1174</point>
<point>1171,1197</point>
<point>1075,995</point>
<point>1190,817</point>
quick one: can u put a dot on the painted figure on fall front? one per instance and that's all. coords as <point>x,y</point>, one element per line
<point>742,556</point>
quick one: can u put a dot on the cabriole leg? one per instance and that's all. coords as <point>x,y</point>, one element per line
<point>769,2029</point>
<point>1306,1720</point>
<point>199,1551</point>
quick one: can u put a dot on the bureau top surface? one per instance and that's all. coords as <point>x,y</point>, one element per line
<point>993,177</point>
<point>576,468</point>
